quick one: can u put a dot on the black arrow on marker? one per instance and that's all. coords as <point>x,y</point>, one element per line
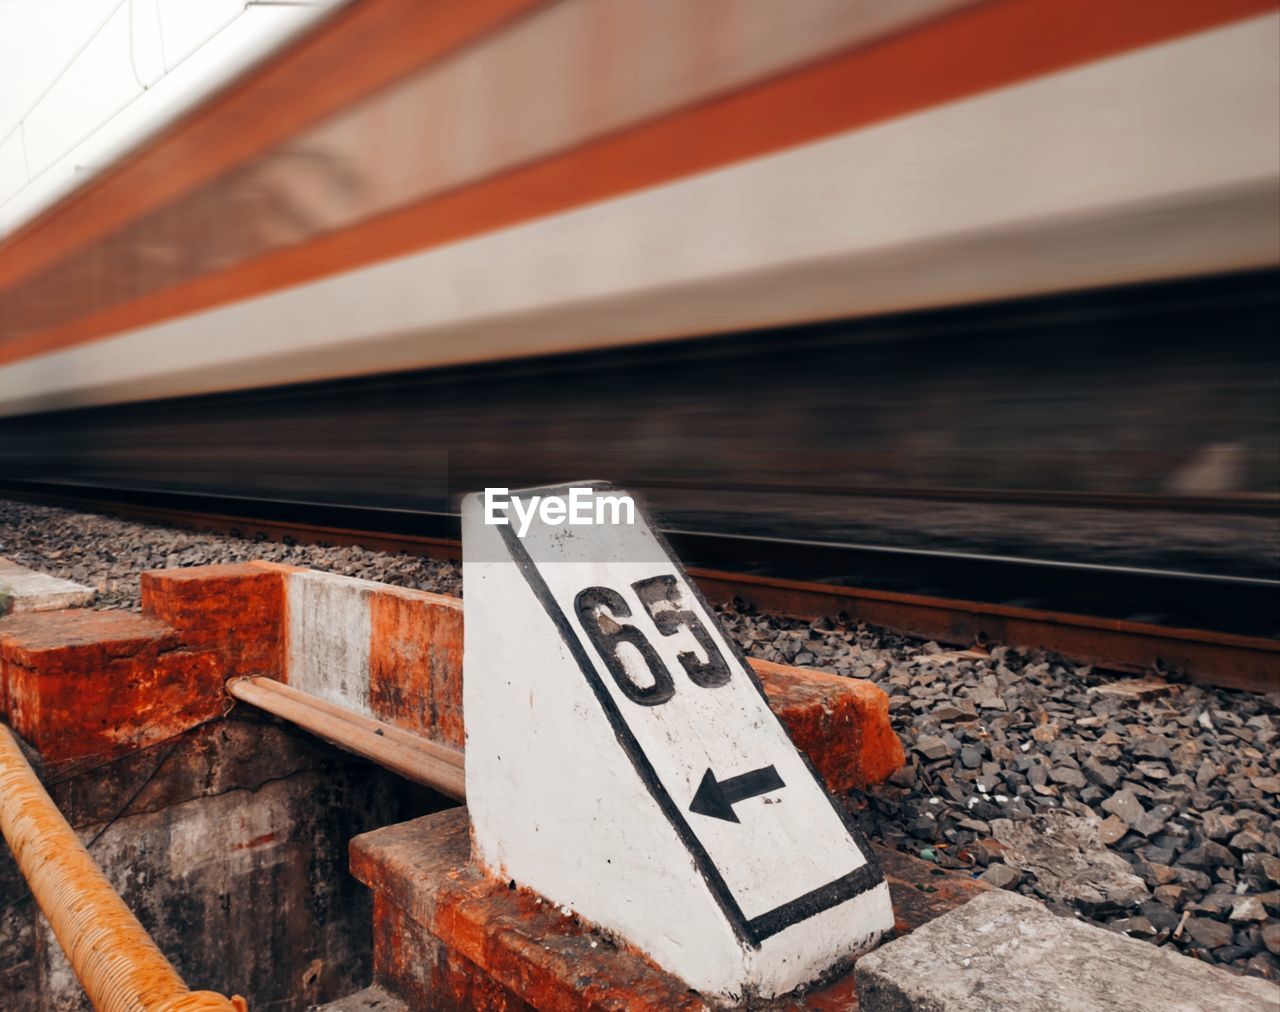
<point>716,798</point>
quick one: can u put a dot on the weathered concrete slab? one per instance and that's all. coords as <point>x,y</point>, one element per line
<point>371,999</point>
<point>237,610</point>
<point>23,589</point>
<point>1002,952</point>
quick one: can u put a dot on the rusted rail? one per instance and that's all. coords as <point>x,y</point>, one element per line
<point>1229,504</point>
<point>115,960</point>
<point>1226,659</point>
<point>1213,658</point>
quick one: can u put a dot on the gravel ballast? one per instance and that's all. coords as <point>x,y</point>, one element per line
<point>1149,808</point>
<point>107,553</point>
<point>1144,806</point>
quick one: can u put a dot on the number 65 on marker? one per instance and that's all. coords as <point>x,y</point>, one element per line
<point>622,759</point>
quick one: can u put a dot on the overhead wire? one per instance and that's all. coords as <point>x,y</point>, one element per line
<point>164,55</point>
<point>63,72</point>
<point>26,160</point>
<point>133,61</point>
<point>120,109</point>
<point>20,128</point>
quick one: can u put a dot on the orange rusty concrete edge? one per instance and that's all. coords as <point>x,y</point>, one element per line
<point>411,963</point>
<point>842,724</point>
<point>500,930</point>
<point>237,608</point>
<point>415,662</point>
<point>80,697</point>
<point>83,685</point>
<point>422,870</point>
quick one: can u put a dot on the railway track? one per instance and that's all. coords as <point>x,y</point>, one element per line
<point>1215,629</point>
<point>1237,504</point>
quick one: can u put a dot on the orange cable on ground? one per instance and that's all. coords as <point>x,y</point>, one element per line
<point>112,955</point>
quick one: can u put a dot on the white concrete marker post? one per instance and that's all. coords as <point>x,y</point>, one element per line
<point>623,762</point>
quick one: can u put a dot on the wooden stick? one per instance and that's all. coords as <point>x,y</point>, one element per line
<point>426,762</point>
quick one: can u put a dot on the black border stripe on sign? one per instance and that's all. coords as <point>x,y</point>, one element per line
<point>648,775</point>
<point>846,817</point>
<point>815,901</point>
<point>757,929</point>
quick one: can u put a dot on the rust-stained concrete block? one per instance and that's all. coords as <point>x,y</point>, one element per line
<point>447,937</point>
<point>96,683</point>
<point>237,610</point>
<point>841,724</point>
<point>487,939</point>
<point>92,682</point>
<point>396,654</point>
<point>415,663</point>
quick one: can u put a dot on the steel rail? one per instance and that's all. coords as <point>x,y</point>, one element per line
<point>115,960</point>
<point>1227,504</point>
<point>1250,663</point>
<point>1237,604</point>
<point>1069,614</point>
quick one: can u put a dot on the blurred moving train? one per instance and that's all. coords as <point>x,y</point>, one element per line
<point>967,274</point>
